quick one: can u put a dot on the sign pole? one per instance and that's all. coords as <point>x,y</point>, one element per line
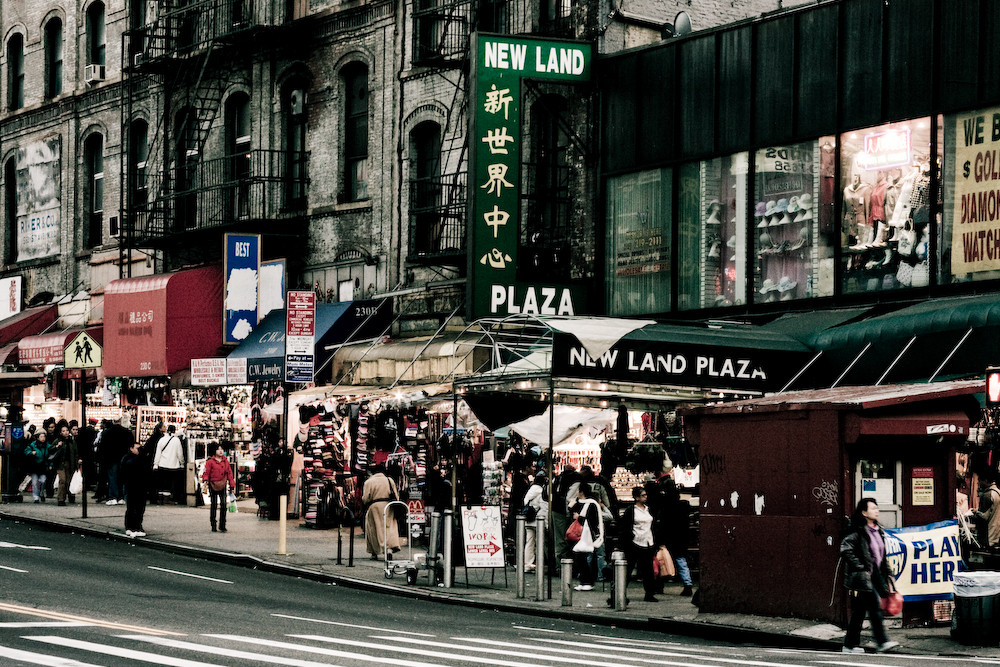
<point>84,353</point>
<point>83,423</point>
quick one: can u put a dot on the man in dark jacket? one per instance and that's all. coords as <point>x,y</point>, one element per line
<point>134,472</point>
<point>866,576</point>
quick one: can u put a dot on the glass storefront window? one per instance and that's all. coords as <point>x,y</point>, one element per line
<point>638,251</point>
<point>970,228</point>
<point>885,230</point>
<point>712,233</point>
<point>792,221</point>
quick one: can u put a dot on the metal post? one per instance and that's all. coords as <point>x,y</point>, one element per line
<point>283,526</point>
<point>432,548</point>
<point>447,548</point>
<point>340,542</point>
<point>83,424</point>
<point>540,559</point>
<point>520,530</point>
<point>350,546</point>
<point>566,582</point>
<point>621,581</point>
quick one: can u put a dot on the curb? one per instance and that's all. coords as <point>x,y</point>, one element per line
<point>654,624</point>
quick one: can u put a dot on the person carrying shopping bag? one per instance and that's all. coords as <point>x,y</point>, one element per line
<point>587,513</point>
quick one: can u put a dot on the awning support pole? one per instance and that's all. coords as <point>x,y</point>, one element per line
<point>548,463</point>
<point>895,361</point>
<point>799,374</point>
<point>426,345</point>
<point>950,355</point>
<point>850,366</point>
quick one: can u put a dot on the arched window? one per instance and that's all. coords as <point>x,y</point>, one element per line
<point>547,201</point>
<point>427,221</point>
<point>95,35</point>
<point>93,156</point>
<point>138,152</point>
<point>355,78</point>
<point>10,208</point>
<point>15,72</point>
<point>238,153</point>
<point>53,58</point>
<point>186,171</point>
<point>295,171</point>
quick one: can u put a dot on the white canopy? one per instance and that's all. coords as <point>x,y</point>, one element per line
<point>569,421</point>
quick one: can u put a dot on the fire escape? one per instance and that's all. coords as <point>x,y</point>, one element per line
<point>438,191</point>
<point>179,192</point>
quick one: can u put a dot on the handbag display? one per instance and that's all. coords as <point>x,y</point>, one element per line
<point>893,604</point>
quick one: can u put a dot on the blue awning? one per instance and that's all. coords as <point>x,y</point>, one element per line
<point>264,348</point>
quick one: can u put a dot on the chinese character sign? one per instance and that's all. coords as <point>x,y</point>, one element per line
<point>494,189</point>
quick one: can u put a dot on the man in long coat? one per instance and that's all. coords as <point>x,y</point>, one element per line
<point>381,530</point>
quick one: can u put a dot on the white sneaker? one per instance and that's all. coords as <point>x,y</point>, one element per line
<point>887,646</point>
<point>139,533</point>
<point>856,649</point>
<point>111,502</point>
<point>584,587</point>
<point>129,533</point>
<point>121,501</point>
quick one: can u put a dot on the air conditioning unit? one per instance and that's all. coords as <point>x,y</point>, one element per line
<point>297,101</point>
<point>93,73</point>
<point>114,226</point>
<point>138,59</point>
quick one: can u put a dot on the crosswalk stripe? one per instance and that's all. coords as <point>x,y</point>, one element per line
<point>666,650</point>
<point>46,624</point>
<point>41,658</point>
<point>13,569</point>
<point>131,654</point>
<point>173,643</point>
<point>11,545</point>
<point>532,653</point>
<point>31,611</point>
<point>350,625</point>
<point>417,651</point>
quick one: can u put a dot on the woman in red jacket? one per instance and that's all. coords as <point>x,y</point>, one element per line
<point>218,473</point>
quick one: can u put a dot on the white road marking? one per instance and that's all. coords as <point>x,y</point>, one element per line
<point>41,658</point>
<point>13,569</point>
<point>935,658</point>
<point>351,625</point>
<point>47,624</point>
<point>634,642</point>
<point>172,643</point>
<point>55,615</point>
<point>453,654</point>
<point>141,656</point>
<point>188,574</point>
<point>525,627</point>
<point>646,646</point>
<point>11,545</point>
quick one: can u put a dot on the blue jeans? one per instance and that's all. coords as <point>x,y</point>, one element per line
<point>37,485</point>
<point>114,493</point>
<point>599,557</point>
<point>683,571</point>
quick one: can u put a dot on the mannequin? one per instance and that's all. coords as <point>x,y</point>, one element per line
<point>856,204</point>
<point>876,213</point>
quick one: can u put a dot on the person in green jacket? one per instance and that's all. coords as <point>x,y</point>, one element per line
<point>36,455</point>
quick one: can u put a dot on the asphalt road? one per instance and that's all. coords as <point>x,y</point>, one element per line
<point>71,600</point>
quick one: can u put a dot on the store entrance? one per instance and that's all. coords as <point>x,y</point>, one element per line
<point>881,478</point>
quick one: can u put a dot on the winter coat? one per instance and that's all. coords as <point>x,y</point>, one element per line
<point>36,453</point>
<point>856,551</point>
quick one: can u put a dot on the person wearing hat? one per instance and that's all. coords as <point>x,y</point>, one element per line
<point>536,506</point>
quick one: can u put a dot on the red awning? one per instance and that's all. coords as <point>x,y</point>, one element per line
<point>49,348</point>
<point>8,354</point>
<point>155,325</point>
<point>28,322</point>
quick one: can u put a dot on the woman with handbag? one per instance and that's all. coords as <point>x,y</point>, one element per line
<point>218,473</point>
<point>36,454</point>
<point>636,537</point>
<point>587,513</point>
<point>866,576</point>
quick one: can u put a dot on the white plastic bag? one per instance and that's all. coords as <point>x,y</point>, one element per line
<point>76,484</point>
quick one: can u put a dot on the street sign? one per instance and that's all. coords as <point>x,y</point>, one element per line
<point>300,336</point>
<point>483,537</point>
<point>83,352</point>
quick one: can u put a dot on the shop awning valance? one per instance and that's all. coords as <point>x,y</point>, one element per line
<point>154,325</point>
<point>568,421</point>
<point>264,348</point>
<point>28,322</point>
<point>49,348</point>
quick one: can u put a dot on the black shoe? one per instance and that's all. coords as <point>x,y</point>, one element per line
<point>650,598</point>
<point>222,529</point>
<point>61,503</point>
<point>687,592</point>
<point>214,529</point>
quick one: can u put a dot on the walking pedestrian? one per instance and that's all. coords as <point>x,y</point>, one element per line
<point>64,460</point>
<point>219,475</point>
<point>636,526</point>
<point>134,472</point>
<point>588,513</point>
<point>675,530</point>
<point>36,454</point>
<point>168,464</point>
<point>866,576</point>
<point>381,530</point>
<point>537,498</point>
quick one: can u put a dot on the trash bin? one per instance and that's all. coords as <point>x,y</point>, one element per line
<point>976,620</point>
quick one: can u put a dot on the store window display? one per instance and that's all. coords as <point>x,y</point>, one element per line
<point>793,192</point>
<point>885,229</point>
<point>712,233</point>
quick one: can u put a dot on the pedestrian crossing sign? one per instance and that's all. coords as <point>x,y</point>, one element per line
<point>83,352</point>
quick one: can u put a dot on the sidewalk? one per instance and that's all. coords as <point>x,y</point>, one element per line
<point>312,554</point>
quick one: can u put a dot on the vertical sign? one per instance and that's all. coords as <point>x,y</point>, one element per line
<point>499,63</point>
<point>10,296</point>
<point>300,336</point>
<point>272,287</point>
<point>242,260</point>
<point>976,188</point>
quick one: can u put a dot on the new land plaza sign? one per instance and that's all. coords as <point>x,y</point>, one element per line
<point>300,336</point>
<point>500,63</point>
